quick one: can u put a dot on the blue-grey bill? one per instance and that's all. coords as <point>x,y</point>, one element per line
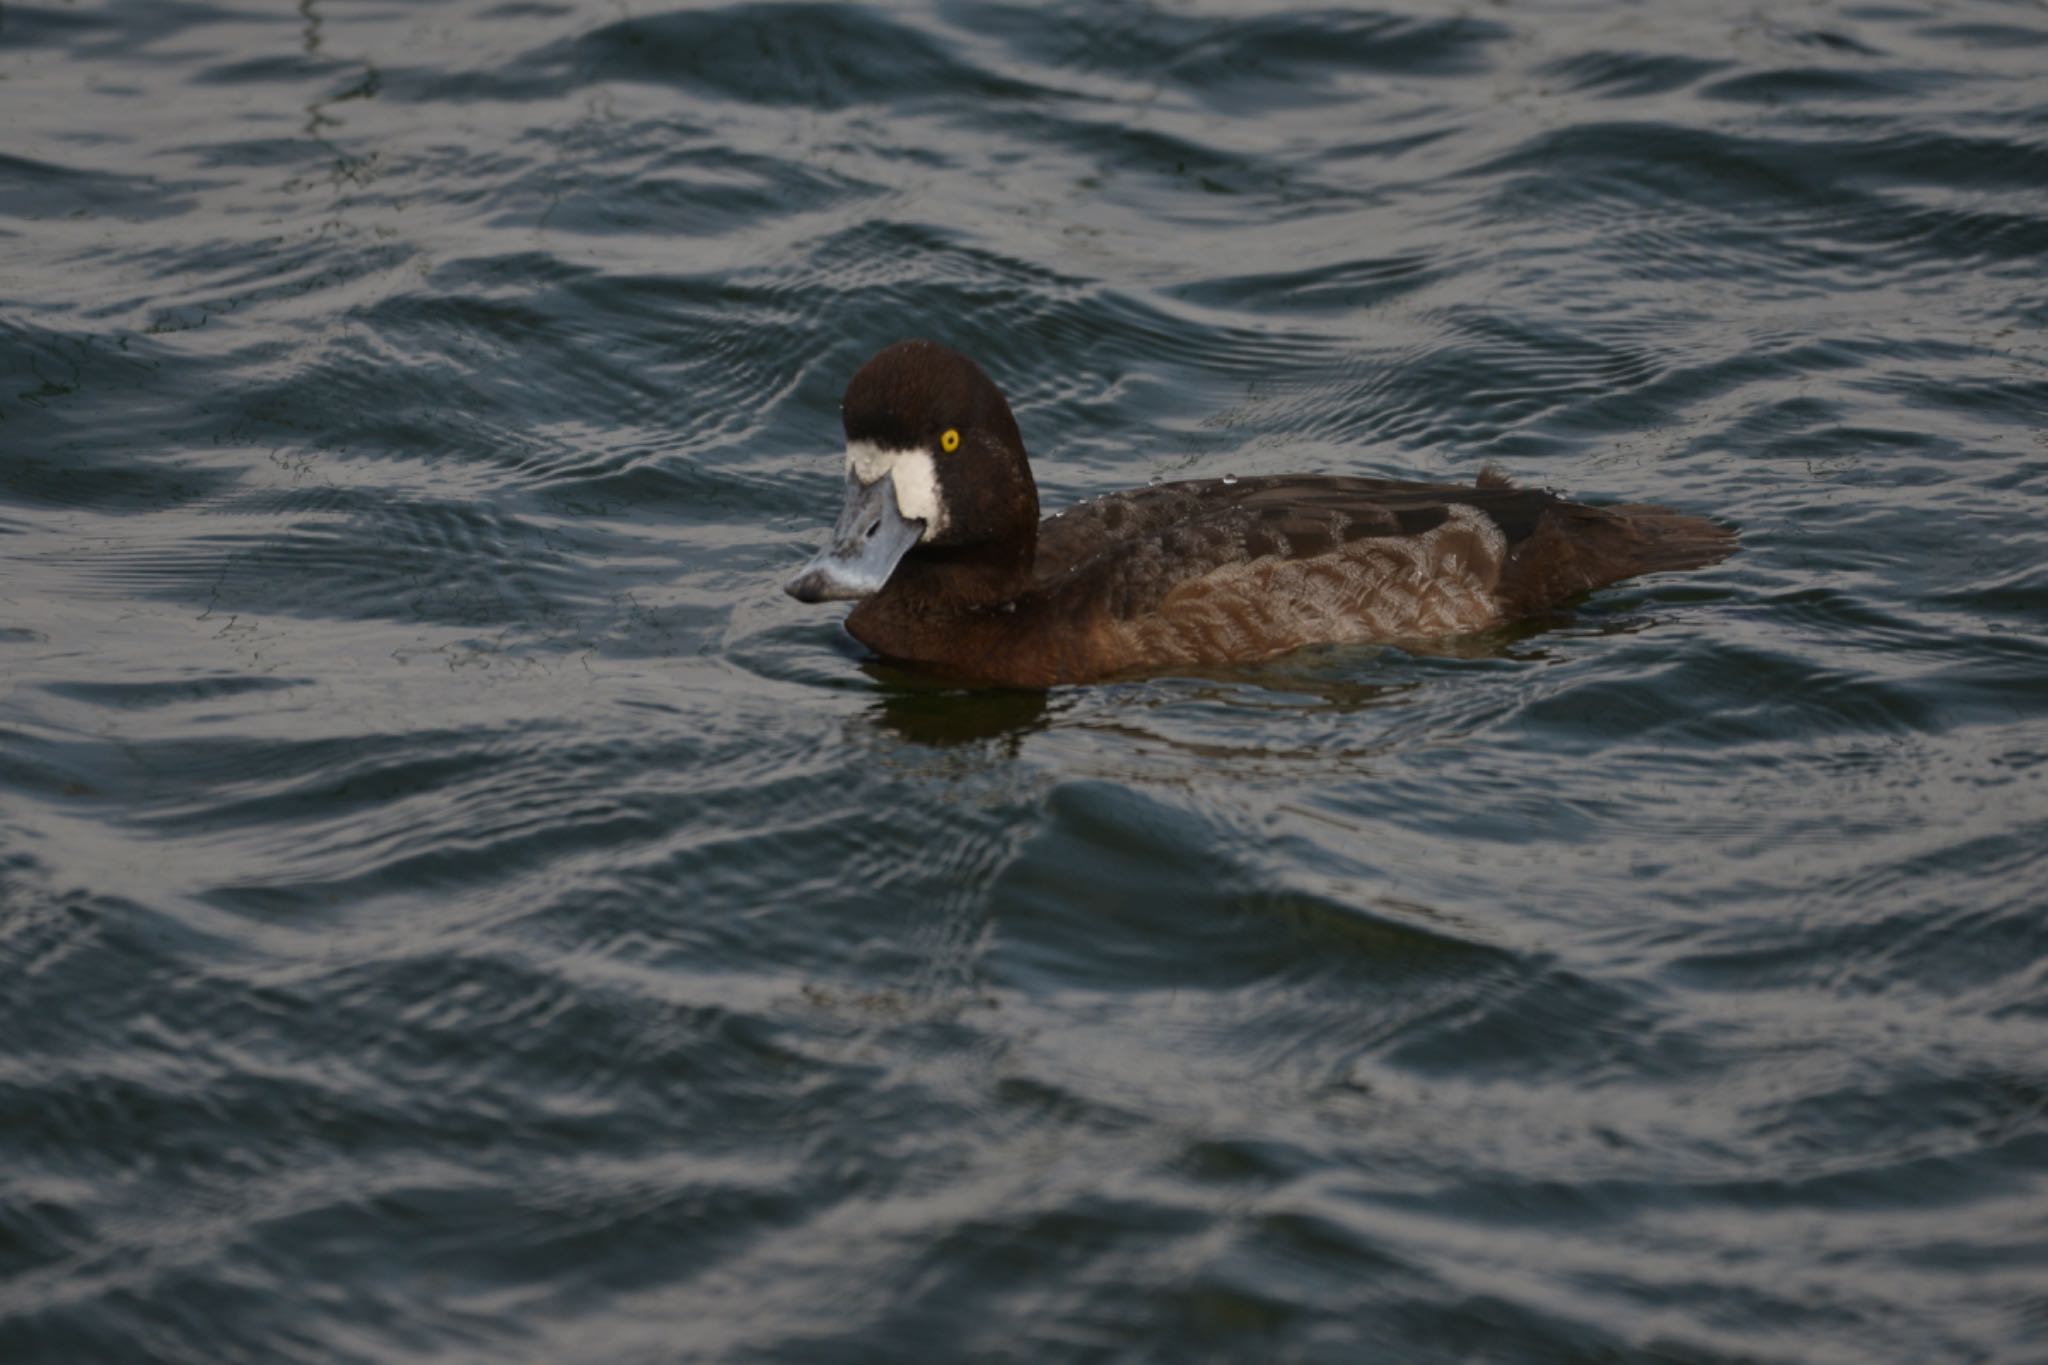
<point>868,541</point>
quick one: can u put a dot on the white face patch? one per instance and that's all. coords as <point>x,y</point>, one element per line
<point>917,481</point>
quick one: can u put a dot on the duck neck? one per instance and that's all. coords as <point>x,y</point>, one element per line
<point>944,580</point>
<point>946,604</point>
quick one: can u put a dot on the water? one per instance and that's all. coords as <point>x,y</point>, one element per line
<point>453,906</point>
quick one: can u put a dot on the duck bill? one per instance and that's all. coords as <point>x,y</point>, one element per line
<point>869,540</point>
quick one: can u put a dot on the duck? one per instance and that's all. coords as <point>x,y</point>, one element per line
<point>940,545</point>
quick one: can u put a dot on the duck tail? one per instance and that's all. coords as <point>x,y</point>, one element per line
<point>1575,548</point>
<point>1660,539</point>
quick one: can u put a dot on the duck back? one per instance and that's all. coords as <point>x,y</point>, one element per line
<point>1217,571</point>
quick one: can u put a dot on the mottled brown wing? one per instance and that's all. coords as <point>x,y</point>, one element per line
<point>1215,572</point>
<point>1140,545</point>
<point>1220,572</point>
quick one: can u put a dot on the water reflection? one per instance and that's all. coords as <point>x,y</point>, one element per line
<point>923,712</point>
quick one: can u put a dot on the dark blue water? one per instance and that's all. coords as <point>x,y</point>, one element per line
<point>454,907</point>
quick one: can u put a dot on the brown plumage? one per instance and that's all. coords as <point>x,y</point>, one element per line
<point>1208,572</point>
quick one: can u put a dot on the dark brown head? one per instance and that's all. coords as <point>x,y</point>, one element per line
<point>934,463</point>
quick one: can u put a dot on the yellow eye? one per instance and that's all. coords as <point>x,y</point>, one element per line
<point>950,442</point>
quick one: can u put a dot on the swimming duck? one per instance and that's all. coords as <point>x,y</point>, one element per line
<point>940,542</point>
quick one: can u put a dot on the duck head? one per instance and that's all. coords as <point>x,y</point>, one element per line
<point>935,469</point>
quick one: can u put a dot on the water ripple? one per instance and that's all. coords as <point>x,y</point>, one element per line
<point>455,906</point>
